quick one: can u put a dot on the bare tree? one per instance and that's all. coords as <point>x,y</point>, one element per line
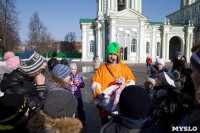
<point>46,43</point>
<point>36,31</point>
<point>70,37</point>
<point>8,25</point>
<point>70,40</point>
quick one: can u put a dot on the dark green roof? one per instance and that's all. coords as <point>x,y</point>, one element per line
<point>178,25</point>
<point>161,23</point>
<point>156,23</point>
<point>87,20</point>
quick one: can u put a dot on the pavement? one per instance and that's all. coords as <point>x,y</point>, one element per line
<point>87,71</point>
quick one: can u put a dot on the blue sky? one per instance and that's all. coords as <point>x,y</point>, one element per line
<point>62,16</point>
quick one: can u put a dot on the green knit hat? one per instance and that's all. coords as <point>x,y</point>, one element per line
<point>113,48</point>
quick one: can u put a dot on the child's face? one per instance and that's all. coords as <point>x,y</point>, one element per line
<point>150,86</point>
<point>159,81</point>
<point>73,70</point>
<point>67,79</point>
<point>159,66</point>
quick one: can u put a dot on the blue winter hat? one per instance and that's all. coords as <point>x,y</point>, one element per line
<point>61,71</point>
<point>30,62</point>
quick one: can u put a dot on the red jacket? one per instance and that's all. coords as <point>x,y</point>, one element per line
<point>149,61</point>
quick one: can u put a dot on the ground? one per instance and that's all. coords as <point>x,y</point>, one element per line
<point>86,70</point>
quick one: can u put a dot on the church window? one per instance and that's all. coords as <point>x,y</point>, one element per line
<point>193,13</point>
<point>187,2</point>
<point>91,46</point>
<point>121,4</point>
<point>198,23</point>
<point>158,49</point>
<point>195,9</point>
<point>147,47</point>
<point>133,45</point>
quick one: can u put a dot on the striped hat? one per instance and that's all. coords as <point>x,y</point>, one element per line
<point>195,59</point>
<point>61,71</point>
<point>30,62</point>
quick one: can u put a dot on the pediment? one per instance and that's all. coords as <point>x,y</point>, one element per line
<point>128,13</point>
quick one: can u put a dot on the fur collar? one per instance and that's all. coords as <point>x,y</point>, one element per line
<point>41,123</point>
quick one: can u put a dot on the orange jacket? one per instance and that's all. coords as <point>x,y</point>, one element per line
<point>103,79</point>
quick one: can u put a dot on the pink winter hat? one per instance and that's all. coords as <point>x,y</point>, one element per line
<point>12,61</point>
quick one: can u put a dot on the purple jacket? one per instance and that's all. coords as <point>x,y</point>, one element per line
<point>75,89</point>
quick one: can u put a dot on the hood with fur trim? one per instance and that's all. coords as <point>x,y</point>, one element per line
<point>41,123</point>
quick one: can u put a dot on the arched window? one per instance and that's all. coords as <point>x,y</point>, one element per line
<point>147,47</point>
<point>133,45</point>
<point>158,49</point>
<point>91,46</point>
<point>121,4</point>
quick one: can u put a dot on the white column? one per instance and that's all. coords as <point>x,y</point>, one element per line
<point>153,45</point>
<point>98,41</point>
<point>100,7</point>
<point>132,4</point>
<point>191,45</point>
<point>140,6</point>
<point>127,5</point>
<point>116,8</point>
<point>163,45</point>
<point>135,5</point>
<point>108,6</point>
<point>187,46</point>
<point>142,45</point>
<point>84,42</point>
<point>100,44</point>
<point>103,43</point>
<point>112,31</point>
<point>167,47</point>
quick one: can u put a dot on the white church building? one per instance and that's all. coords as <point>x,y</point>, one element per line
<point>122,21</point>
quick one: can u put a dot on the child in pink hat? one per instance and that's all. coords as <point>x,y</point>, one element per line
<point>12,61</point>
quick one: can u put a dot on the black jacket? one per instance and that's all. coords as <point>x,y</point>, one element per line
<point>18,83</point>
<point>118,125</point>
<point>64,62</point>
<point>179,65</point>
<point>188,87</point>
<point>52,63</point>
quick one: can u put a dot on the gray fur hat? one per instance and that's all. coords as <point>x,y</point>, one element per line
<point>150,80</point>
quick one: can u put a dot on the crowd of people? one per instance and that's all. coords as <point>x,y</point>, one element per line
<point>45,96</point>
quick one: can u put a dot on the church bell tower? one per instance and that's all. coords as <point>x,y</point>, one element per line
<point>185,3</point>
<point>108,7</point>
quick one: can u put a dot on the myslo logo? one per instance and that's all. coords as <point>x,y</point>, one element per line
<point>184,128</point>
